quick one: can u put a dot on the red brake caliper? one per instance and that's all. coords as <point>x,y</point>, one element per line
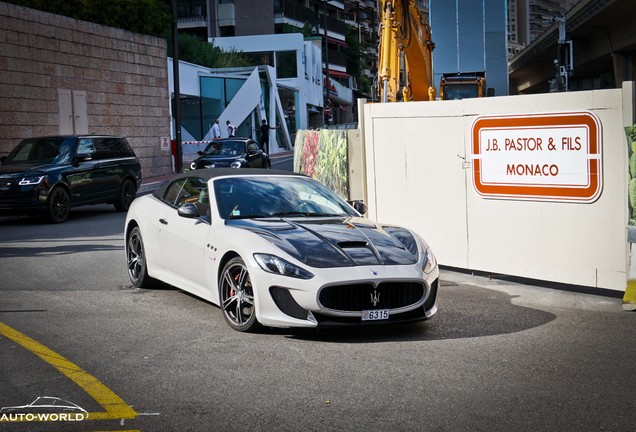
<point>236,278</point>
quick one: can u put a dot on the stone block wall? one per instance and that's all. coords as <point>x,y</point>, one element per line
<point>123,74</point>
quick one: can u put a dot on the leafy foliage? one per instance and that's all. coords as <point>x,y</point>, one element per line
<point>631,175</point>
<point>195,51</point>
<point>152,17</point>
<point>307,30</point>
<point>323,155</point>
<point>354,53</point>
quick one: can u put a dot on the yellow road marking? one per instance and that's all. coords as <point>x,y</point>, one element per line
<point>115,407</point>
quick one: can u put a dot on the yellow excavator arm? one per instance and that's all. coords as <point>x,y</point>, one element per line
<point>405,69</point>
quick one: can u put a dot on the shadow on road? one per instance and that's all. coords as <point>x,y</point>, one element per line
<point>476,312</point>
<point>89,221</point>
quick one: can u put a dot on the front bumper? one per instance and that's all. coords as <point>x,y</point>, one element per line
<point>287,302</point>
<point>22,200</point>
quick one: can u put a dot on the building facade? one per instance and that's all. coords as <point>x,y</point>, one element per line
<point>529,19</point>
<point>603,43</point>
<point>335,22</point>
<point>470,36</point>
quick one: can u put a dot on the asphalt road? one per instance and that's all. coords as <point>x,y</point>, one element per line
<point>499,356</point>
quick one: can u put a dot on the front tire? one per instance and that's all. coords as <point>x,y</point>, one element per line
<point>126,196</point>
<point>236,295</point>
<point>58,206</point>
<point>136,260</point>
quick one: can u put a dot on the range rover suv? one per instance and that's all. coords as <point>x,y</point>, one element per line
<point>50,175</point>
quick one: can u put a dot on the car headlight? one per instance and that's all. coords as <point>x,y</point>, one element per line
<point>430,262</point>
<point>32,180</point>
<point>276,265</point>
<point>238,163</point>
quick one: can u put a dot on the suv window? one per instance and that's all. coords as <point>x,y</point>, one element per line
<point>86,146</point>
<point>108,148</point>
<point>54,150</point>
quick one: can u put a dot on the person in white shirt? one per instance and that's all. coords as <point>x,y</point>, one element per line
<point>231,130</point>
<point>216,130</point>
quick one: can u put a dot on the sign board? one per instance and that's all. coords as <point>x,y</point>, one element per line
<point>165,143</point>
<point>542,157</point>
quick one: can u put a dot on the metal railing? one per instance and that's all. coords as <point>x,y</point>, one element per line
<point>289,9</point>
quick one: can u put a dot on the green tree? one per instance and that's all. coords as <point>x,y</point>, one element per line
<point>151,17</point>
<point>354,53</point>
<point>193,50</point>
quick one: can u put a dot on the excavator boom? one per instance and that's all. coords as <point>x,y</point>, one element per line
<point>405,69</point>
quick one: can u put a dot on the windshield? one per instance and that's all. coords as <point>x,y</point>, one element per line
<point>460,91</point>
<point>42,151</point>
<point>225,148</point>
<point>258,197</point>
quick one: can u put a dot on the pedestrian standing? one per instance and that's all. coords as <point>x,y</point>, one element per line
<point>231,130</point>
<point>265,135</point>
<point>216,130</point>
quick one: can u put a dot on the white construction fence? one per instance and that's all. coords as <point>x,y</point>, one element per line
<point>532,186</point>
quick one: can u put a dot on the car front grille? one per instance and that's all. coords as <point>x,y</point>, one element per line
<point>7,182</point>
<point>358,297</point>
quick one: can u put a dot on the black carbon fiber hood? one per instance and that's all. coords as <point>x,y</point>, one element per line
<point>335,242</point>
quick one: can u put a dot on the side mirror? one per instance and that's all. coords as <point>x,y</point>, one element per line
<point>189,211</point>
<point>81,157</point>
<point>200,153</point>
<point>360,206</point>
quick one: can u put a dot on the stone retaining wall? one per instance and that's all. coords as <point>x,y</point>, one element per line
<point>123,74</point>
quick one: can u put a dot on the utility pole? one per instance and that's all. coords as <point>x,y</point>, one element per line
<point>565,56</point>
<point>176,106</point>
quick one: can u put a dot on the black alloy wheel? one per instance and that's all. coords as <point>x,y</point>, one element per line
<point>126,196</point>
<point>237,296</point>
<point>58,205</point>
<point>136,260</point>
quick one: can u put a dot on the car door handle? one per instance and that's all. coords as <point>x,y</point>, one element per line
<point>163,221</point>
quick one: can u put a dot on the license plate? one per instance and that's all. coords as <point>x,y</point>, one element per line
<point>374,315</point>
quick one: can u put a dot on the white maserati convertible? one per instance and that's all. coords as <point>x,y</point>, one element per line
<point>278,249</point>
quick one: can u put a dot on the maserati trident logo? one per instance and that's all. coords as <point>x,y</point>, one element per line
<point>375,298</point>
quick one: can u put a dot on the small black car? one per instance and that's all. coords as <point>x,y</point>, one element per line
<point>49,175</point>
<point>232,153</point>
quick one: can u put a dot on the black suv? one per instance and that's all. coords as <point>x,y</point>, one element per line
<point>49,175</point>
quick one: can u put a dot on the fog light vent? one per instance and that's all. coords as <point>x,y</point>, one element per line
<point>286,303</point>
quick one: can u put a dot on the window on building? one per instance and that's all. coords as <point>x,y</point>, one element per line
<point>286,64</point>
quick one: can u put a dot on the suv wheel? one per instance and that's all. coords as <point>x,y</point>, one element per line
<point>58,205</point>
<point>126,195</point>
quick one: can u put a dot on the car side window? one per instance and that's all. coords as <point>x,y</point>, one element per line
<point>192,190</point>
<point>86,146</point>
<point>170,197</point>
<point>111,147</point>
<point>252,147</point>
